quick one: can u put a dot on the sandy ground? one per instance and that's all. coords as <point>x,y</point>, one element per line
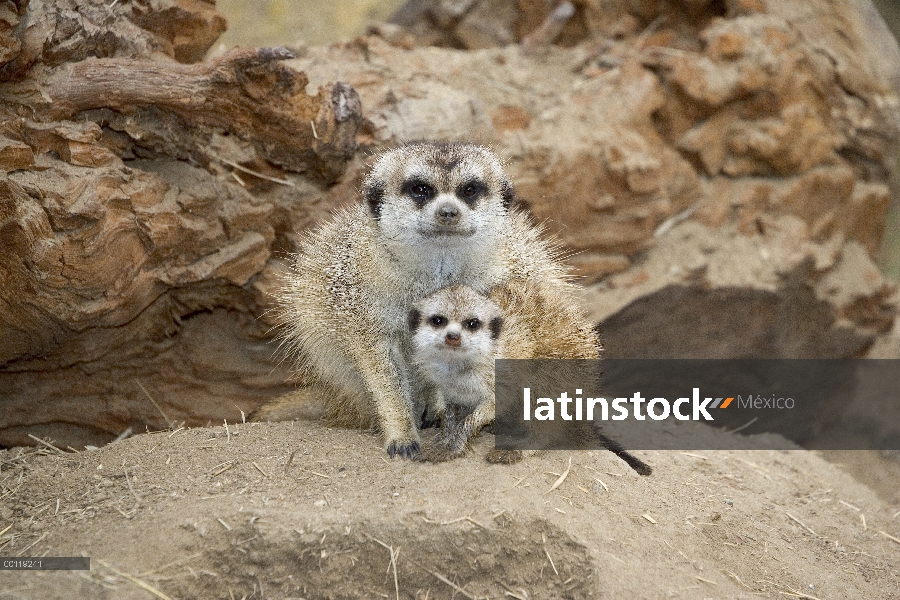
<point>297,510</point>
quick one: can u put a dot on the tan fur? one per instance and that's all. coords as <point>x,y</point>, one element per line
<point>344,304</point>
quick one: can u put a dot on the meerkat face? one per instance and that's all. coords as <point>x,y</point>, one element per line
<point>439,194</point>
<point>455,323</point>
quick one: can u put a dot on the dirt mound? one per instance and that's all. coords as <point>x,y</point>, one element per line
<point>296,510</point>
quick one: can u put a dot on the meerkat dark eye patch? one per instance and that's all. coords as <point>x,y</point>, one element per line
<point>374,196</point>
<point>414,318</point>
<point>507,194</point>
<point>495,325</point>
<point>437,320</point>
<point>420,191</point>
<point>470,191</point>
<point>472,324</point>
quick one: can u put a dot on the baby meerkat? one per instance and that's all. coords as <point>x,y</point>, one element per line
<point>455,337</point>
<point>433,215</point>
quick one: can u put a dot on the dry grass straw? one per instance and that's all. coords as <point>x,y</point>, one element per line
<point>459,519</point>
<point>314,473</point>
<point>146,393</point>
<point>221,468</point>
<point>451,584</point>
<point>544,541</point>
<point>130,487</point>
<point>751,464</point>
<point>29,546</point>
<point>562,478</point>
<point>737,579</point>
<point>47,444</point>
<point>790,591</point>
<point>235,165</point>
<point>174,563</point>
<point>290,460</point>
<point>695,455</point>
<point>889,536</point>
<point>520,480</point>
<point>801,523</point>
<point>392,564</point>
<point>683,555</point>
<point>138,582</point>
<point>745,425</point>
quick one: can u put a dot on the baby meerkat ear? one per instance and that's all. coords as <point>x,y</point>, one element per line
<point>415,317</point>
<point>374,195</point>
<point>495,325</point>
<point>507,194</point>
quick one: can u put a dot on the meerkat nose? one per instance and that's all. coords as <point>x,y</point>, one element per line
<point>448,214</point>
<point>452,338</point>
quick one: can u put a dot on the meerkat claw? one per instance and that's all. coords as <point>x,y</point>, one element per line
<point>410,450</point>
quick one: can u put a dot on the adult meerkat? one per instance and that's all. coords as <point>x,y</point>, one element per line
<point>433,215</point>
<point>457,335</point>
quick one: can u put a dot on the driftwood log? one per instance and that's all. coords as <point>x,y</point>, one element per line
<point>719,173</point>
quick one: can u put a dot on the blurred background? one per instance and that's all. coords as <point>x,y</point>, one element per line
<point>286,22</point>
<point>318,22</point>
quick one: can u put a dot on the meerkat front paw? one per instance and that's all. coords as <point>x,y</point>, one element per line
<point>409,449</point>
<point>445,448</point>
<point>504,457</point>
<point>438,454</point>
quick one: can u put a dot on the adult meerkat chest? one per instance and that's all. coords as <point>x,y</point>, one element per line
<point>425,271</point>
<point>439,268</point>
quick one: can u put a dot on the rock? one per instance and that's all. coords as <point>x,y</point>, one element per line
<point>717,171</point>
<point>15,155</point>
<point>54,33</point>
<point>704,292</point>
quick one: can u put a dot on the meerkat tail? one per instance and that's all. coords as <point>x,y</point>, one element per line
<point>633,461</point>
<point>305,404</point>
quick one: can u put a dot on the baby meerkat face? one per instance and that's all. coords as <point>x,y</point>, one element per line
<point>438,193</point>
<point>454,322</point>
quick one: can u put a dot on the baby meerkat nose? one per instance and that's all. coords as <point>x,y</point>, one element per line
<point>452,338</point>
<point>448,214</point>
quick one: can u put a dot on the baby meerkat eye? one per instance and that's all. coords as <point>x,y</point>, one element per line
<point>437,321</point>
<point>473,324</point>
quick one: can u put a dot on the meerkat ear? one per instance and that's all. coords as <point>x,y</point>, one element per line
<point>374,195</point>
<point>415,317</point>
<point>495,326</point>
<point>507,194</point>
